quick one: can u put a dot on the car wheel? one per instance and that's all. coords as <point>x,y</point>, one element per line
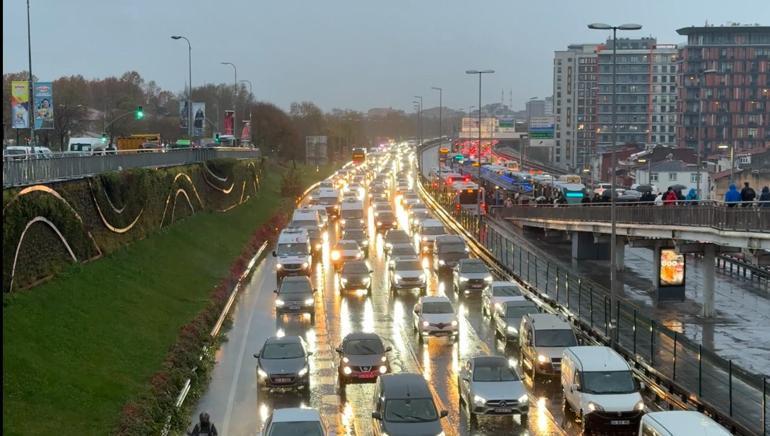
<point>524,418</point>
<point>534,373</point>
<point>474,420</point>
<point>312,318</point>
<point>484,310</point>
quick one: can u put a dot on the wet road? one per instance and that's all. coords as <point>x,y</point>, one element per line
<point>238,409</point>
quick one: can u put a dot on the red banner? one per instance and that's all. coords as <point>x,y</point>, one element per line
<point>246,132</point>
<point>229,122</point>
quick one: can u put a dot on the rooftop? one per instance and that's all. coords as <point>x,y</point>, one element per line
<point>597,357</point>
<point>753,28</point>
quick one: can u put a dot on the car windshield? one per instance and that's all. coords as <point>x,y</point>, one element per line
<point>433,231</point>
<point>385,215</point>
<point>294,286</point>
<point>555,338</point>
<point>408,265</point>
<point>607,382</point>
<point>410,410</point>
<point>351,213</point>
<point>518,312</point>
<point>437,307</point>
<point>305,428</point>
<point>305,223</point>
<point>505,291</point>
<point>397,237</point>
<point>293,249</point>
<point>327,200</point>
<point>355,268</point>
<point>473,267</point>
<point>452,247</point>
<point>355,235</point>
<point>402,250</point>
<point>282,350</point>
<point>494,372</point>
<point>347,245</point>
<point>363,346</point>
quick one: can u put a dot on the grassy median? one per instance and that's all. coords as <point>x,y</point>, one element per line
<point>77,348</point>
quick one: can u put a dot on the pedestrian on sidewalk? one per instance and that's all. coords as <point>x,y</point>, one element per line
<point>747,195</point>
<point>732,196</point>
<point>670,198</point>
<point>692,197</point>
<point>764,197</point>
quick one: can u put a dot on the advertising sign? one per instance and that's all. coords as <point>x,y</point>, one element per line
<point>43,105</point>
<point>199,118</point>
<point>315,150</point>
<point>184,115</point>
<point>246,133</point>
<point>541,127</point>
<point>19,104</point>
<point>229,122</point>
<point>672,268</point>
<point>506,123</point>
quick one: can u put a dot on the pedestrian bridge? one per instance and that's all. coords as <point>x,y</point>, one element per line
<point>739,227</point>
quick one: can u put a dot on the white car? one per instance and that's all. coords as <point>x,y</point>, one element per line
<point>496,294</point>
<point>344,251</point>
<point>489,385</point>
<point>294,420</point>
<point>435,316</point>
<point>407,273</point>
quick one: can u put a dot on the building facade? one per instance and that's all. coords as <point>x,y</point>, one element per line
<point>724,73</point>
<point>535,108</point>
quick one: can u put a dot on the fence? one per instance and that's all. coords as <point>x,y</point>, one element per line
<point>68,166</point>
<point>736,394</point>
<point>715,216</point>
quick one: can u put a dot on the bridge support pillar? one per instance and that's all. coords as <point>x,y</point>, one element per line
<point>709,254</point>
<point>620,254</point>
<point>585,246</point>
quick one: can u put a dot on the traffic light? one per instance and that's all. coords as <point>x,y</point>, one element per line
<point>104,138</point>
<point>139,113</point>
<point>216,138</point>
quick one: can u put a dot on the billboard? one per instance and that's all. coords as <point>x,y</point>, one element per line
<point>246,133</point>
<point>542,127</point>
<point>19,104</point>
<point>506,123</point>
<point>672,268</point>
<point>199,118</point>
<point>184,116</point>
<point>315,150</point>
<point>43,92</point>
<point>229,122</point>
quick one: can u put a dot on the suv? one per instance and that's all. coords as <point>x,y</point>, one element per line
<point>429,229</point>
<point>295,295</point>
<point>283,363</point>
<point>404,405</point>
<point>448,250</point>
<point>293,254</point>
<point>507,316</point>
<point>407,273</point>
<point>542,340</point>
<point>470,275</point>
<point>363,357</point>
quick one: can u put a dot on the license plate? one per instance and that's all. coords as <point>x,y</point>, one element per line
<point>370,374</point>
<point>283,380</point>
<point>441,333</point>
<point>503,410</point>
<point>620,422</point>
<point>293,307</point>
<point>476,286</point>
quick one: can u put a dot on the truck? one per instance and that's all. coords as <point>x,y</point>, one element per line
<point>141,141</point>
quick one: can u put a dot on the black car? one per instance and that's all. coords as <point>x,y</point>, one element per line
<point>385,221</point>
<point>405,405</point>
<point>283,363</point>
<point>296,295</point>
<point>395,236</point>
<point>363,357</point>
<point>356,275</point>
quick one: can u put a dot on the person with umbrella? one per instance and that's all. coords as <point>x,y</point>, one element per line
<point>670,198</point>
<point>692,197</point>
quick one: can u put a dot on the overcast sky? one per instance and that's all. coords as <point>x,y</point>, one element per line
<point>353,54</point>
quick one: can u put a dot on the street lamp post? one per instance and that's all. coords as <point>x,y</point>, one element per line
<point>701,77</point>
<point>479,72</point>
<point>189,84</point>
<point>31,112</point>
<point>613,193</point>
<point>420,116</point>
<point>732,160</point>
<point>440,109</point>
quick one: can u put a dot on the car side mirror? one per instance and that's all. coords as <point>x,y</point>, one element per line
<point>377,416</point>
<point>274,254</point>
<point>574,388</point>
<point>309,353</point>
<point>275,291</point>
<point>256,355</point>
<point>388,349</point>
<point>444,413</point>
<point>417,310</point>
<point>642,386</point>
<point>338,349</point>
<point>315,290</point>
<point>371,271</point>
<point>466,378</point>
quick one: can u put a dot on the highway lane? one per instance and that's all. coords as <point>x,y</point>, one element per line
<point>238,409</point>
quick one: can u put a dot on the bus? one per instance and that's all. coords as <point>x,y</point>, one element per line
<point>570,178</point>
<point>573,192</point>
<point>359,156</point>
<point>467,197</point>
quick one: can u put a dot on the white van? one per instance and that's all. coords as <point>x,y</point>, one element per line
<point>293,253</point>
<point>600,388</point>
<point>680,423</point>
<point>543,337</point>
<point>86,145</point>
<point>352,210</point>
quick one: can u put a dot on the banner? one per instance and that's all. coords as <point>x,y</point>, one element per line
<point>184,115</point>
<point>199,118</point>
<point>19,104</point>
<point>246,133</point>
<point>229,122</point>
<point>672,268</point>
<point>43,105</point>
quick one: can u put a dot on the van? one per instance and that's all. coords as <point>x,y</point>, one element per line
<point>329,198</point>
<point>679,423</point>
<point>403,404</point>
<point>599,387</point>
<point>352,210</point>
<point>542,340</point>
<point>309,220</point>
<point>293,254</point>
<point>23,152</point>
<point>86,145</point>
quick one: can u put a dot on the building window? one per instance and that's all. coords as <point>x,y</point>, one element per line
<point>672,177</point>
<point>694,177</point>
<point>653,177</point>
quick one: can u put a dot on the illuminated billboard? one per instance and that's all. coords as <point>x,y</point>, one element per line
<point>672,268</point>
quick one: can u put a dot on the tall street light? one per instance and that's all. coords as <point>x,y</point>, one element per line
<point>479,72</point>
<point>189,84</point>
<point>613,193</point>
<point>440,109</point>
<point>418,108</point>
<point>701,77</point>
<point>31,112</point>
<point>420,97</point>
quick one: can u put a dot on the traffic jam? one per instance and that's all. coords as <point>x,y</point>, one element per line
<point>422,337</point>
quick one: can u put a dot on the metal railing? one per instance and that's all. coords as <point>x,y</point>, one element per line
<point>66,166</point>
<point>690,372</point>
<point>714,216</point>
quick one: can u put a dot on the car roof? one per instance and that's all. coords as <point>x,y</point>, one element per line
<point>517,301</point>
<point>291,339</point>
<point>497,283</point>
<point>432,222</point>
<point>472,260</point>
<point>407,259</point>
<point>489,360</point>
<point>547,321</point>
<point>404,385</point>
<point>294,414</point>
<point>303,279</point>
<point>434,299</point>
<point>681,422</point>
<point>449,238</point>
<point>361,335</point>
<point>598,357</point>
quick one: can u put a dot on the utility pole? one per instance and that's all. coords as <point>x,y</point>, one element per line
<point>31,113</point>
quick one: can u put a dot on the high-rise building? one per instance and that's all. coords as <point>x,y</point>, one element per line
<point>724,72</point>
<point>548,106</point>
<point>535,108</point>
<point>573,105</point>
<point>645,104</point>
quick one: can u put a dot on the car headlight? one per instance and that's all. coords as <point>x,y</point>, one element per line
<point>318,246</point>
<point>479,400</point>
<point>345,360</point>
<point>422,277</point>
<point>309,302</point>
<point>335,255</point>
<point>524,399</point>
<point>440,434</point>
<point>342,221</point>
<point>541,358</point>
<point>347,370</point>
<point>454,323</point>
<point>305,265</point>
<point>639,406</point>
<point>302,372</point>
<point>463,279</point>
<point>488,279</point>
<point>511,329</point>
<point>279,302</point>
<point>397,277</point>
<point>425,323</point>
<point>383,359</point>
<point>366,280</point>
<point>343,280</point>
<point>424,238</point>
<point>441,262</point>
<point>593,407</point>
<point>379,223</point>
<point>278,266</point>
<point>261,373</point>
<point>383,369</point>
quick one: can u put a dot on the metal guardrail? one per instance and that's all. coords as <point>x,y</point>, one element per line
<point>66,166</point>
<point>717,217</point>
<point>688,372</point>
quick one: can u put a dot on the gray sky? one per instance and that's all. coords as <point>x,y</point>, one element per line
<point>353,54</point>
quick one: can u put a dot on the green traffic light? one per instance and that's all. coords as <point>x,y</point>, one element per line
<point>104,139</point>
<point>139,113</point>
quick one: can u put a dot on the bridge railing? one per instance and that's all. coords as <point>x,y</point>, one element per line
<point>66,166</point>
<point>717,216</point>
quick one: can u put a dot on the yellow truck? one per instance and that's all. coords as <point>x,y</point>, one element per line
<point>144,141</point>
